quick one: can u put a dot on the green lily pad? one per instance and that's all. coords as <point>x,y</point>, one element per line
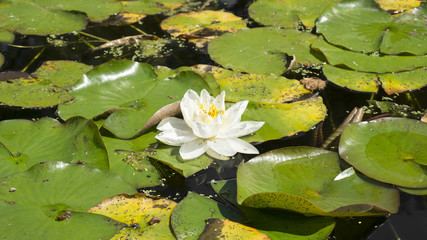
<point>6,37</point>
<point>309,181</point>
<point>392,150</point>
<point>376,30</point>
<point>27,143</point>
<point>61,73</point>
<point>170,156</point>
<point>147,217</point>
<point>151,7</point>
<point>277,225</point>
<point>45,88</point>
<point>132,91</point>
<point>288,13</point>
<point>363,62</point>
<point>58,195</point>
<point>414,191</point>
<point>129,159</point>
<point>54,16</point>
<point>188,217</point>
<point>261,50</point>
<point>1,59</point>
<point>403,81</point>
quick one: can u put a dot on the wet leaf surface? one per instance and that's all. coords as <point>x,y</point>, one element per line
<point>146,217</point>
<point>225,229</point>
<point>391,150</point>
<point>310,181</point>
<point>28,143</point>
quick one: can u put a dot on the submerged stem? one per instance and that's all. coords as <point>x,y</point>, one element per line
<point>34,58</point>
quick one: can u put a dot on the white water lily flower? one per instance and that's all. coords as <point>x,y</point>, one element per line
<point>208,127</point>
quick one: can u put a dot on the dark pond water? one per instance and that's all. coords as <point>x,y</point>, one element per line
<point>409,223</point>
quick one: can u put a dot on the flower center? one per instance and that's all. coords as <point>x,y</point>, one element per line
<point>212,111</point>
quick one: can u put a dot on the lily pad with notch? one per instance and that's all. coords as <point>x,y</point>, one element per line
<point>391,150</point>
<point>262,50</point>
<point>26,143</point>
<point>58,195</point>
<point>288,14</point>
<point>309,181</point>
<point>46,87</point>
<point>53,16</point>
<point>376,30</point>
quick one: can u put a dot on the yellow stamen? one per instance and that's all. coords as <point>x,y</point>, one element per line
<point>213,111</point>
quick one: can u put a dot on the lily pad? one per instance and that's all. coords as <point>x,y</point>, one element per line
<point>61,73</point>
<point>129,159</point>
<point>353,80</point>
<point>262,50</point>
<point>217,228</point>
<point>376,30</point>
<point>309,181</point>
<point>45,88</point>
<point>188,217</point>
<point>391,150</point>
<point>6,37</point>
<point>171,157</point>
<point>277,225</point>
<point>414,191</point>
<point>374,63</point>
<point>283,104</point>
<point>56,194</point>
<point>132,90</point>
<point>398,5</point>
<point>28,143</point>
<point>54,16</point>
<point>151,7</point>
<point>147,217</point>
<point>288,13</point>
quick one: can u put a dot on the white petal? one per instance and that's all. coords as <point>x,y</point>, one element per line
<point>234,113</point>
<point>240,129</point>
<point>206,99</point>
<point>221,146</point>
<point>242,146</point>
<point>189,103</point>
<point>220,102</point>
<point>172,123</point>
<point>193,149</point>
<point>215,125</point>
<point>201,129</point>
<point>175,138</point>
<point>216,155</point>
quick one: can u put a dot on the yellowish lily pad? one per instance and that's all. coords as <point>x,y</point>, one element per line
<point>147,217</point>
<point>228,230</point>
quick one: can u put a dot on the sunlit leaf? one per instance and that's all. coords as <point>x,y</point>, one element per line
<point>28,143</point>
<point>53,16</point>
<point>376,30</point>
<point>57,195</point>
<point>150,7</point>
<point>225,229</point>
<point>275,224</point>
<point>262,50</point>
<point>147,217</point>
<point>392,150</point>
<point>310,181</point>
<point>288,13</point>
